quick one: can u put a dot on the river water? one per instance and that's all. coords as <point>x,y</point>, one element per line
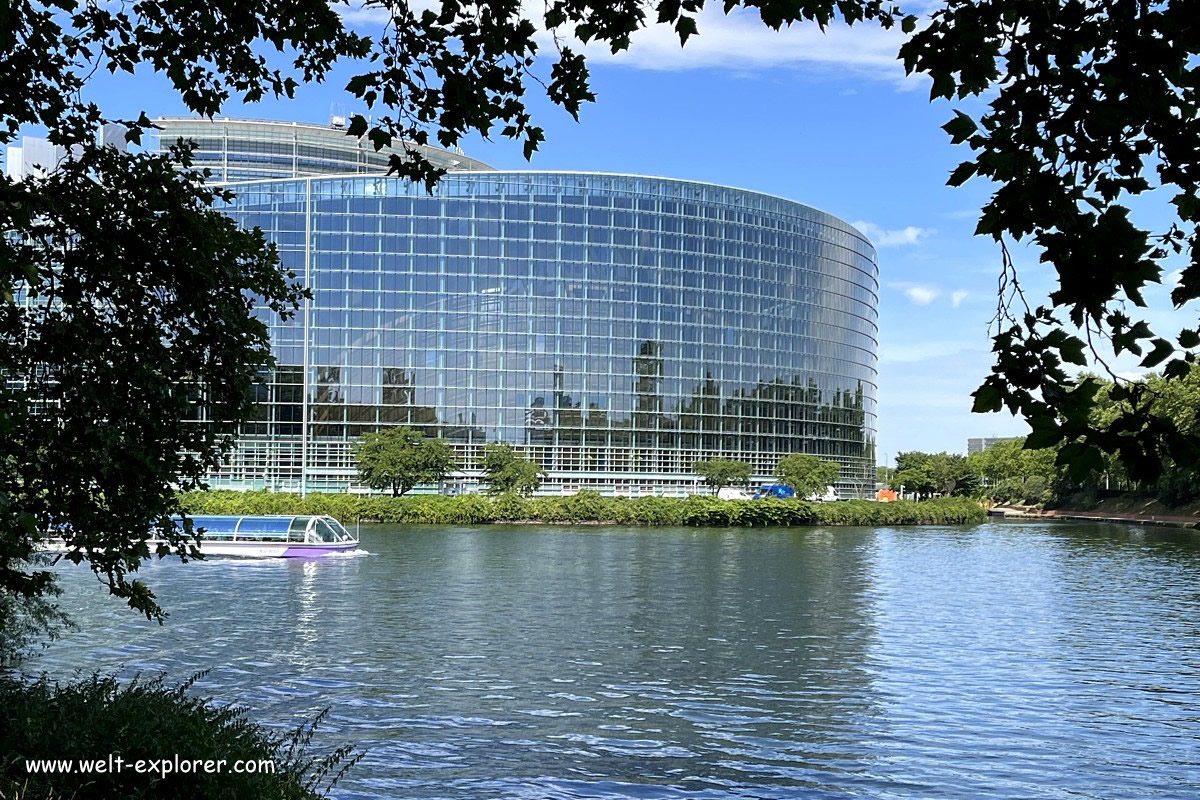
<point>1008,660</point>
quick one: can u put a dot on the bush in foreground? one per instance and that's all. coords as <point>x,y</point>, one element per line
<point>98,717</point>
<point>588,507</point>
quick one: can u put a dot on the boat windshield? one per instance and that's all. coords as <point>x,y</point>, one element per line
<point>323,532</point>
<point>327,530</point>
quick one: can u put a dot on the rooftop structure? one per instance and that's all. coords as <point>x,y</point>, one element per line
<point>249,149</point>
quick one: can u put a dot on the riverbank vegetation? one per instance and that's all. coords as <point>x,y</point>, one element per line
<point>1014,472</point>
<point>144,720</point>
<point>586,507</point>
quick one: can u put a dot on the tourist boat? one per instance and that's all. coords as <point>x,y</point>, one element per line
<point>262,537</point>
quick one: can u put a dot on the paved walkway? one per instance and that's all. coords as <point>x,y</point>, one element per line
<point>1025,512</point>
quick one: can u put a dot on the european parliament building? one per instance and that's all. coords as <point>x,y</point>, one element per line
<point>613,328</point>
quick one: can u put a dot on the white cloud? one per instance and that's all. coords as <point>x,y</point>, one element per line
<point>880,237</point>
<point>922,295</point>
<point>919,293</point>
<point>958,296</point>
<point>739,40</point>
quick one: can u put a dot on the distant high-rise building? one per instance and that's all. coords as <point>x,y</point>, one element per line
<point>979,444</point>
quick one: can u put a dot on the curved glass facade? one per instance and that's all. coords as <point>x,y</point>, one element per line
<point>614,328</point>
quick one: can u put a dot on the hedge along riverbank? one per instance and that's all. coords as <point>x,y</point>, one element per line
<point>587,507</point>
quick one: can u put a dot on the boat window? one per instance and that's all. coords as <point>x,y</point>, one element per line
<point>263,529</point>
<point>215,536</point>
<point>298,528</point>
<point>214,529</point>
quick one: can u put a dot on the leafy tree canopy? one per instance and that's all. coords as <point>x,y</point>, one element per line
<point>927,474</point>
<point>131,310</point>
<point>1010,459</point>
<point>806,474</point>
<point>505,471</point>
<point>1092,103</point>
<point>401,458</point>
<point>719,472</point>
<point>1175,400</point>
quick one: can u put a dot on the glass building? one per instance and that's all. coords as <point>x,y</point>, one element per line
<point>614,328</point>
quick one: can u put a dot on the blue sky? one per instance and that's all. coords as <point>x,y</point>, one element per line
<point>826,120</point>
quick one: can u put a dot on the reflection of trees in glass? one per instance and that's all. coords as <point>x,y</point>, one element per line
<point>652,402</point>
<point>334,417</point>
<point>647,393</point>
<point>329,411</point>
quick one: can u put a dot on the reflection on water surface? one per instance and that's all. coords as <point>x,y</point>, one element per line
<point>1003,661</point>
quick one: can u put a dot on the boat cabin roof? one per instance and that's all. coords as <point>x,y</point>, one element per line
<point>266,527</point>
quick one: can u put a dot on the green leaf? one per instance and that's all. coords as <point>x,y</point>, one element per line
<point>987,399</point>
<point>960,128</point>
<point>1088,461</point>
<point>1161,351</point>
<point>962,173</point>
<point>1071,349</point>
<point>686,28</point>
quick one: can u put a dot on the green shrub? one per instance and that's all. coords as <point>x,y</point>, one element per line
<point>143,720</point>
<point>509,507</point>
<point>589,506</point>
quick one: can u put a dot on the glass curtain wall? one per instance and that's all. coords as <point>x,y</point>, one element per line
<point>614,328</point>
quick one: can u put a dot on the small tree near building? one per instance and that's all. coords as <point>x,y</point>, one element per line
<point>721,472</point>
<point>806,474</point>
<point>505,471</point>
<point>401,458</point>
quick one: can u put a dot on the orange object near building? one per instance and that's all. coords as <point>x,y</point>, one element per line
<point>885,495</point>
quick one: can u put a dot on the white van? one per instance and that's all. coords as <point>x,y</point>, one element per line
<point>731,493</point>
<point>831,496</point>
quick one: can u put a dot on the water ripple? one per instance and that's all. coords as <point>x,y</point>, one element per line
<point>1002,661</point>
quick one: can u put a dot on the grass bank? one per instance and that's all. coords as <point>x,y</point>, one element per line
<point>587,507</point>
<point>98,717</point>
